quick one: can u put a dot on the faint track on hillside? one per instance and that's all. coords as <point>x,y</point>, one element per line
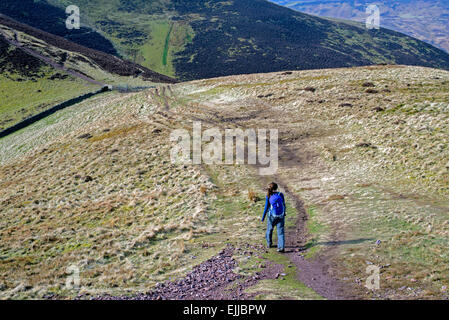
<point>314,273</point>
<point>49,61</point>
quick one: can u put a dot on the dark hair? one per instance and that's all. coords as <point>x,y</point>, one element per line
<point>272,187</point>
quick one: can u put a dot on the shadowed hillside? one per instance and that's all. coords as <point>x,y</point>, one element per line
<point>41,15</point>
<point>195,39</point>
<point>426,20</point>
<point>105,61</point>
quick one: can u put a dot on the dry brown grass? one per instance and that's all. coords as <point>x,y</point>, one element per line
<point>252,196</point>
<point>141,218</point>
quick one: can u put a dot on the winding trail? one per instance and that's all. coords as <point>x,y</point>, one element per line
<point>215,279</point>
<point>314,273</point>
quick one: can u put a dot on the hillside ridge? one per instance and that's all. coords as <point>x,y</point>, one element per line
<point>199,39</point>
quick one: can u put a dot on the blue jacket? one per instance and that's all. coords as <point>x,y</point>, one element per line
<point>268,206</point>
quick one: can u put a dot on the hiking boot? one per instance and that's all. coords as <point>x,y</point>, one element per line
<point>281,250</point>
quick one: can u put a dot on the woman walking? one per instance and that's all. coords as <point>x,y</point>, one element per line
<point>276,209</point>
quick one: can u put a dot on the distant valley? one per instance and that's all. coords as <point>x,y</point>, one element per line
<point>427,20</point>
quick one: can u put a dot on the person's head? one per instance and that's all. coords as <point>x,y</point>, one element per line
<point>272,188</point>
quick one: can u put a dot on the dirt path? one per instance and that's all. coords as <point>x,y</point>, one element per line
<point>314,273</point>
<point>215,278</point>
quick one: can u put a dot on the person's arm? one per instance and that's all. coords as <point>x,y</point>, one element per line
<point>267,202</point>
<point>285,207</point>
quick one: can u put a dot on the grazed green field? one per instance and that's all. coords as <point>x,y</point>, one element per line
<point>29,86</point>
<point>146,34</point>
<point>166,39</point>
<point>20,100</point>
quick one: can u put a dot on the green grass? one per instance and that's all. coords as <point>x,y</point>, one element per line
<point>26,98</point>
<point>166,47</point>
<point>166,39</point>
<point>315,229</point>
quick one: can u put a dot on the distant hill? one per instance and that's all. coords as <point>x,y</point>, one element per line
<point>44,16</point>
<point>426,20</point>
<point>39,70</point>
<point>107,62</point>
<point>195,39</point>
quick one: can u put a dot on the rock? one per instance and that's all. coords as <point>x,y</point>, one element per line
<point>265,96</point>
<point>366,145</point>
<point>85,136</point>
<point>310,89</point>
<point>88,179</point>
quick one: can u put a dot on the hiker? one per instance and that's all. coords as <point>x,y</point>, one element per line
<point>276,209</point>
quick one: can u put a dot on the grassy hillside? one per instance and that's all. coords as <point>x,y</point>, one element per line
<point>41,15</point>
<point>28,86</point>
<point>365,149</point>
<point>198,39</point>
<point>101,60</point>
<point>58,71</point>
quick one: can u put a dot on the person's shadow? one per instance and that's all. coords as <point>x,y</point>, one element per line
<point>314,243</point>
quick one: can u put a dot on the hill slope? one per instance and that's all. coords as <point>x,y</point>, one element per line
<point>194,39</point>
<point>39,70</point>
<point>29,86</point>
<point>363,157</point>
<point>107,62</point>
<point>426,20</point>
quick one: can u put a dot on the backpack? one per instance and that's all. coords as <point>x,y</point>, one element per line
<point>277,205</point>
